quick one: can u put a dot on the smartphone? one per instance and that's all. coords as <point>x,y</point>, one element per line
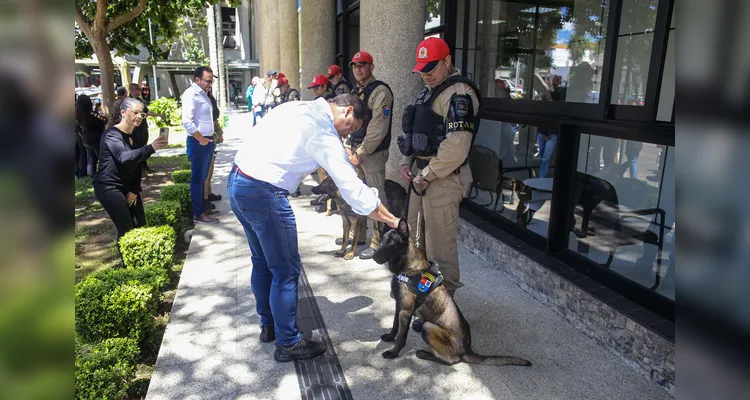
<point>164,132</point>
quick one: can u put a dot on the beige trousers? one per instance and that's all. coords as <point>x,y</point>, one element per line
<point>373,165</point>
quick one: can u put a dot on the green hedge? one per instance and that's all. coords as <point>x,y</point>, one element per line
<point>181,176</point>
<point>164,213</point>
<point>106,308</point>
<point>149,247</point>
<point>185,164</point>
<point>179,192</point>
<point>105,370</point>
<point>167,106</point>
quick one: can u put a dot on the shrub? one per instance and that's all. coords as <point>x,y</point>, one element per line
<point>179,192</point>
<point>164,213</point>
<point>106,308</point>
<point>152,276</point>
<point>105,370</point>
<point>84,190</point>
<point>185,164</point>
<point>149,247</point>
<point>167,106</point>
<point>181,176</point>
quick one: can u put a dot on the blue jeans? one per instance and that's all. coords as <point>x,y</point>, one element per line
<point>257,114</point>
<point>271,229</point>
<point>200,162</point>
<point>546,147</point>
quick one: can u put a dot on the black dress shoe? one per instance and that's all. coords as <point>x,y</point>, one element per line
<point>214,197</point>
<point>340,241</point>
<point>304,349</point>
<point>367,254</point>
<point>317,201</point>
<point>210,206</point>
<point>321,208</point>
<point>266,334</point>
<point>148,169</point>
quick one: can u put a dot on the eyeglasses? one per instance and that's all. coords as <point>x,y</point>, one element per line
<point>209,82</point>
<point>138,114</point>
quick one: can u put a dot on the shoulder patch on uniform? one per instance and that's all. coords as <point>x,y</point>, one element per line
<point>386,110</point>
<point>462,106</point>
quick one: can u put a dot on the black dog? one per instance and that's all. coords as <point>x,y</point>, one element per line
<point>444,328</point>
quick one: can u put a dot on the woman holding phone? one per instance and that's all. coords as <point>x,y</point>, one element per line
<point>117,184</point>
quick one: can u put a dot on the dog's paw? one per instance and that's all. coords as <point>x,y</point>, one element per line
<point>387,337</point>
<point>338,254</point>
<point>348,256</point>
<point>416,325</point>
<point>390,354</point>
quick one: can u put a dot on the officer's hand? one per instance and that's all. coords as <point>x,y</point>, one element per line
<point>354,160</point>
<point>406,172</point>
<point>420,183</point>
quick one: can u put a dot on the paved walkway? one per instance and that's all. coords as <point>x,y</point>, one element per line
<point>211,351</point>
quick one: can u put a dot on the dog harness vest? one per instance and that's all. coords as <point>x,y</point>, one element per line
<point>424,130</point>
<point>422,284</point>
<point>358,136</point>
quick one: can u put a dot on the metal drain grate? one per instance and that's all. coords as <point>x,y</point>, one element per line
<point>322,377</point>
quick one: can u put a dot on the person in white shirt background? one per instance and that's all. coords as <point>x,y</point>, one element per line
<point>258,99</point>
<point>198,120</point>
<point>263,174</point>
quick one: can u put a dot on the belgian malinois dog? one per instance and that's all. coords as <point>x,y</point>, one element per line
<point>444,328</point>
<point>350,220</point>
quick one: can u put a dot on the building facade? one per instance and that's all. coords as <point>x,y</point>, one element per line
<point>577,123</point>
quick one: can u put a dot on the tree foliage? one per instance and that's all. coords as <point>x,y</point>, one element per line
<point>167,20</point>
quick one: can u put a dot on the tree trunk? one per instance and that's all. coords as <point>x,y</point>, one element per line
<point>106,69</point>
<point>211,30</point>
<point>222,94</point>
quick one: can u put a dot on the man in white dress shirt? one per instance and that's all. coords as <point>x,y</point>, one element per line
<point>286,146</point>
<point>198,120</point>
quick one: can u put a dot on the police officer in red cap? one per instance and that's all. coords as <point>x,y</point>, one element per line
<point>339,85</point>
<point>369,145</point>
<point>321,87</point>
<point>286,92</point>
<point>439,129</point>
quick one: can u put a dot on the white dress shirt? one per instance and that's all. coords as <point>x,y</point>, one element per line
<point>291,142</point>
<point>259,95</point>
<point>197,111</point>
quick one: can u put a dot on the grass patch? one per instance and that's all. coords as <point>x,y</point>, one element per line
<point>84,191</point>
<point>175,146</point>
<point>168,160</point>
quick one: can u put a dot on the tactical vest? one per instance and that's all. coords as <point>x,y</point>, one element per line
<point>431,124</point>
<point>285,97</point>
<point>341,82</point>
<point>358,136</point>
<point>423,284</point>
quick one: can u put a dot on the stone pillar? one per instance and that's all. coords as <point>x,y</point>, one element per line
<point>318,32</point>
<point>270,35</point>
<point>288,41</point>
<point>391,34</point>
<point>125,74</point>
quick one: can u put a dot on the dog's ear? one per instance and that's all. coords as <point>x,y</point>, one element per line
<point>403,228</point>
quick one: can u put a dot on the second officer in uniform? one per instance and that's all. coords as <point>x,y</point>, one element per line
<point>370,144</point>
<point>339,85</point>
<point>438,132</point>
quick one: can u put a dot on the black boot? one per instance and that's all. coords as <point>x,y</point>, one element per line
<point>302,350</point>
<point>266,334</point>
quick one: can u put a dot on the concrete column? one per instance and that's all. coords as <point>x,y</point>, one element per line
<point>288,41</point>
<point>391,34</point>
<point>243,29</point>
<point>318,31</point>
<point>125,73</point>
<point>270,35</point>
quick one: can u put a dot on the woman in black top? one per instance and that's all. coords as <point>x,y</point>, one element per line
<point>117,184</point>
<point>90,126</point>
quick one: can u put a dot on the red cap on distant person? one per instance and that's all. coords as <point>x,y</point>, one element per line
<point>429,52</point>
<point>281,81</point>
<point>319,80</point>
<point>361,57</point>
<point>333,70</point>
<point>280,75</point>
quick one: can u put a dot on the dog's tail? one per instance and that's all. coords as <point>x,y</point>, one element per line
<point>472,358</point>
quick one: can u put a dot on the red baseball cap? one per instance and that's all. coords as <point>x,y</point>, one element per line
<point>281,81</point>
<point>429,52</point>
<point>333,70</point>
<point>319,80</point>
<point>361,57</point>
<point>281,75</point>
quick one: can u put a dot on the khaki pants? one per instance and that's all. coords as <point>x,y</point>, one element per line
<point>207,185</point>
<point>373,165</point>
<point>434,222</point>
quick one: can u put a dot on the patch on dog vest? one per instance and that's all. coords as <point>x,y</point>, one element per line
<point>422,284</point>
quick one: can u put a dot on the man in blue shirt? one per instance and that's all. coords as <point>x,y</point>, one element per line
<point>263,175</point>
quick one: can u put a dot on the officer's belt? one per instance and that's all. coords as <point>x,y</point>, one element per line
<point>422,163</point>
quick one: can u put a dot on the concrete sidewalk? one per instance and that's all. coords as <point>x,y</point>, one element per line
<point>211,351</point>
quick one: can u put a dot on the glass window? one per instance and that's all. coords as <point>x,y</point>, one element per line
<point>666,96</point>
<point>513,166</point>
<point>624,213</point>
<point>435,13</point>
<point>634,42</point>
<point>542,50</point>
